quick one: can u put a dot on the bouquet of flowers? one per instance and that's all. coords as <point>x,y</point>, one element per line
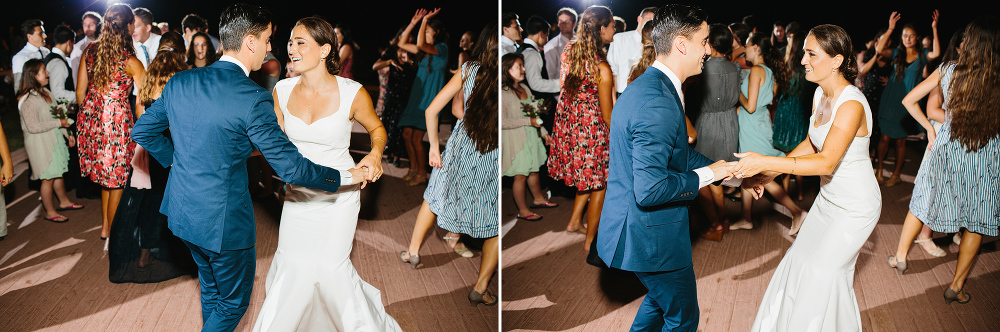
<point>63,109</point>
<point>533,107</point>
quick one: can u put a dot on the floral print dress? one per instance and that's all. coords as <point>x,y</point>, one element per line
<point>579,150</point>
<point>105,127</point>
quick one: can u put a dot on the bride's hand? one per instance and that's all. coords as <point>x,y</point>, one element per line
<point>374,164</point>
<point>434,157</point>
<point>358,176</point>
<point>749,165</point>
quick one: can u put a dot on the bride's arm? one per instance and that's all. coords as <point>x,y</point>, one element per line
<point>431,114</point>
<point>843,130</point>
<point>363,111</point>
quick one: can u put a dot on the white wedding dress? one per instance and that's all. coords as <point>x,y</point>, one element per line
<point>312,285</point>
<point>813,287</point>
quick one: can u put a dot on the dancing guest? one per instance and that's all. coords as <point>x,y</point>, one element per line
<point>57,64</point>
<point>106,75</point>
<point>523,146</point>
<point>44,139</point>
<point>908,63</point>
<point>465,45</point>
<point>626,49</point>
<point>812,287</point>
<point>791,119</point>
<point>400,71</point>
<point>874,74</point>
<point>200,52</point>
<point>767,77</point>
<point>778,36</point>
<point>740,34</point>
<point>146,43</point>
<point>511,33</point>
<point>91,26</point>
<point>566,22</point>
<point>139,234</point>
<point>717,94</point>
<point>346,50</point>
<point>956,187</point>
<point>462,194</point>
<point>578,155</point>
<point>34,33</point>
<point>192,24</point>
<point>432,43</point>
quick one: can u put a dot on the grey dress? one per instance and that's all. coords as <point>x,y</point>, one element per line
<point>716,121</point>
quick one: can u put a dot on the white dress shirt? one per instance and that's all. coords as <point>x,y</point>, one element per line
<point>152,44</point>
<point>77,54</point>
<point>57,77</point>
<point>705,175</point>
<point>623,53</point>
<point>553,54</point>
<point>27,53</point>
<point>345,177</point>
<point>533,70</point>
<point>507,45</point>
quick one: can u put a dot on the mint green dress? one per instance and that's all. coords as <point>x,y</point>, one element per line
<point>755,129</point>
<point>43,138</point>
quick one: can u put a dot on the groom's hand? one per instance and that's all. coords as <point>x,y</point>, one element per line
<point>359,175</point>
<point>720,170</point>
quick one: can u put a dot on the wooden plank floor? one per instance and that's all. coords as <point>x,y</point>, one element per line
<point>547,286</point>
<point>54,277</point>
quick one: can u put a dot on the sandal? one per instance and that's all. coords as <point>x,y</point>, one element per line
<point>546,205</point>
<point>459,247</point>
<point>413,260</point>
<point>893,180</point>
<point>57,219</point>
<point>531,217</point>
<point>409,175</point>
<point>949,296</point>
<point>475,298</point>
<point>899,266</point>
<point>936,252</point>
<point>71,207</point>
<point>417,180</point>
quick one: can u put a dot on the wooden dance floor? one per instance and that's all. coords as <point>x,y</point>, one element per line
<point>547,285</point>
<point>54,277</point>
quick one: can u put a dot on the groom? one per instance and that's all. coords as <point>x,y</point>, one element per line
<point>217,116</point>
<point>653,173</point>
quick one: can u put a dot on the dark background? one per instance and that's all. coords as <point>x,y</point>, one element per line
<point>861,19</point>
<point>373,23</point>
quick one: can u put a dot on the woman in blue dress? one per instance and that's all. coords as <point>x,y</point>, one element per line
<point>431,43</point>
<point>908,63</point>
<point>958,185</point>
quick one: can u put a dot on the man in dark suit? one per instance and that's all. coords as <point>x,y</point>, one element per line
<point>217,116</point>
<point>654,173</point>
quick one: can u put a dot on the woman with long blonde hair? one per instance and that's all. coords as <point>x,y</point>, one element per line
<point>107,71</point>
<point>579,151</point>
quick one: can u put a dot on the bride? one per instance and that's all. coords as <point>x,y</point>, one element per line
<point>813,287</point>
<point>312,285</point>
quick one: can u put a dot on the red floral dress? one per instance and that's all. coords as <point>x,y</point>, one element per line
<point>579,151</point>
<point>104,126</point>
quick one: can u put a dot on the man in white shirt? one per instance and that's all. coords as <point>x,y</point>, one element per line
<point>34,49</point>
<point>511,33</point>
<point>537,34</point>
<point>144,40</point>
<point>61,82</point>
<point>566,20</point>
<point>91,24</point>
<point>626,50</point>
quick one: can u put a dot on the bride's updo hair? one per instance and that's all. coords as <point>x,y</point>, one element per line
<point>834,40</point>
<point>322,32</point>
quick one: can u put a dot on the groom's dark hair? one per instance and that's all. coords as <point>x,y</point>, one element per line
<point>675,20</point>
<point>240,20</point>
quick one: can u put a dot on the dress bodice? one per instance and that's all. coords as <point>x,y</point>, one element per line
<point>853,174</point>
<point>766,92</point>
<point>326,140</point>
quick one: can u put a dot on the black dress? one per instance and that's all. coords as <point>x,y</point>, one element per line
<point>397,94</point>
<point>142,249</point>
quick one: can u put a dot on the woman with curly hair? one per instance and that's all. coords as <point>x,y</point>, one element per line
<point>579,151</point>
<point>108,69</point>
<point>956,186</point>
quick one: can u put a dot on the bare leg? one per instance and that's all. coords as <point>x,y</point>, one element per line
<point>925,234</point>
<point>105,224</point>
<point>46,193</point>
<point>535,186</point>
<point>900,159</point>
<point>114,196</point>
<point>519,195</point>
<point>707,201</point>
<point>911,227</point>
<point>579,205</point>
<point>593,216</point>
<point>798,186</point>
<point>883,148</point>
<point>407,144</point>
<point>491,256</point>
<point>425,220</point>
<point>966,255</point>
<point>420,155</point>
<point>720,205</point>
<point>797,213</point>
<point>745,222</point>
<point>59,188</point>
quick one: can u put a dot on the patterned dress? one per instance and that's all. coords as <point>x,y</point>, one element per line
<point>955,189</point>
<point>105,127</point>
<point>579,151</point>
<point>463,192</point>
<point>397,92</point>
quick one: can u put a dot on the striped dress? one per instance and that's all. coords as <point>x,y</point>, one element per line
<point>956,189</point>
<point>463,192</point>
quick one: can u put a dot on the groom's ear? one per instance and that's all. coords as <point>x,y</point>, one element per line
<point>249,43</point>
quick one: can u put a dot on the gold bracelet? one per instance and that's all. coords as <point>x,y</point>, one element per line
<point>377,138</point>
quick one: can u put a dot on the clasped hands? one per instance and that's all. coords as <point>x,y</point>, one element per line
<point>368,170</point>
<point>748,169</point>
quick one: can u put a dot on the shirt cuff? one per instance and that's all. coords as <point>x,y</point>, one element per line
<point>346,178</point>
<point>705,176</point>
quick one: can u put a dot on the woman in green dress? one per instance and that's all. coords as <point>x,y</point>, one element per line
<point>523,148</point>
<point>45,140</point>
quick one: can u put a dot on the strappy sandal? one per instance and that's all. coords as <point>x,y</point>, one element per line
<point>413,260</point>
<point>530,217</point>
<point>949,296</point>
<point>546,205</point>
<point>899,266</point>
<point>475,298</point>
<point>459,247</point>
<point>936,252</point>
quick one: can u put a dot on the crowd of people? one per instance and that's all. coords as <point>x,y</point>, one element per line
<point>767,104</point>
<point>127,96</point>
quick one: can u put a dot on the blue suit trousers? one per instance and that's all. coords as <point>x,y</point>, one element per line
<point>671,304</point>
<point>226,280</point>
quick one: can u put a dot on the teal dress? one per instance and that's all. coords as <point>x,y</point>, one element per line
<point>430,80</point>
<point>893,119</point>
<point>791,121</point>
<point>755,129</point>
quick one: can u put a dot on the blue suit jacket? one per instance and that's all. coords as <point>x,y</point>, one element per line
<point>644,224</point>
<point>216,116</point>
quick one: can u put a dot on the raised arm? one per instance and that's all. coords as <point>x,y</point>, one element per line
<point>936,44</point>
<point>363,112</point>
<point>422,43</point>
<point>403,42</point>
<point>750,102</point>
<point>431,114</point>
